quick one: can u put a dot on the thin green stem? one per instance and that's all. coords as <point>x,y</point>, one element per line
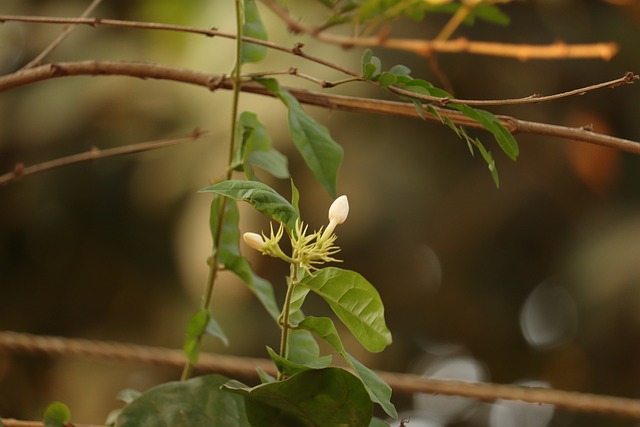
<point>286,310</point>
<point>213,260</point>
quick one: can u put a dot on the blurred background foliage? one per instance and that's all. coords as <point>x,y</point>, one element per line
<point>536,283</point>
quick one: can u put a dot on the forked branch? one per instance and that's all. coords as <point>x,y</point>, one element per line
<point>335,102</point>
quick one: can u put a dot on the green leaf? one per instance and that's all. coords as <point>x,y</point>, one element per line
<point>303,348</point>
<point>295,198</point>
<point>355,301</point>
<point>195,329</point>
<point>422,87</point>
<point>255,148</point>
<point>377,422</point>
<point>127,395</point>
<point>490,122</point>
<point>254,28</point>
<point>378,390</point>
<point>386,79</point>
<point>196,402</point>
<point>491,163</point>
<point>290,368</point>
<point>400,70</point>
<point>262,197</point>
<point>491,13</point>
<point>229,253</point>
<point>471,142</point>
<point>320,152</point>
<point>371,65</point>
<point>57,414</point>
<point>314,398</point>
<point>264,376</point>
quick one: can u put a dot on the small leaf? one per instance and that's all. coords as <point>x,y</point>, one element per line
<point>127,395</point>
<point>314,398</point>
<point>256,148</point>
<point>213,328</point>
<point>355,301</point>
<point>491,163</point>
<point>264,376</point>
<point>57,414</point>
<point>195,329</point>
<point>195,402</point>
<point>290,368</point>
<point>400,70</point>
<point>491,13</point>
<point>295,198</point>
<point>229,253</point>
<point>371,65</point>
<point>386,79</point>
<point>490,122</point>
<point>254,28</point>
<point>264,198</point>
<point>320,152</point>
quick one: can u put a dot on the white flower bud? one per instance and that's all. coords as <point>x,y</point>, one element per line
<point>339,210</point>
<point>254,240</point>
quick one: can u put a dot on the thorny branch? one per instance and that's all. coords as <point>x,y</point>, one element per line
<point>335,102</point>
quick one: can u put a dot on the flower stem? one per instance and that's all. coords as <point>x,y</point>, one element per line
<point>286,310</point>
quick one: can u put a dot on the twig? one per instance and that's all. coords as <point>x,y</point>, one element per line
<point>297,51</point>
<point>242,367</point>
<point>65,32</point>
<point>95,153</point>
<point>524,52</point>
<point>336,102</point>
<point>95,22</point>
<point>9,422</point>
<point>627,78</point>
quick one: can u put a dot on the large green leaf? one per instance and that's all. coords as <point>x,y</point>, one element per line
<point>355,301</point>
<point>264,198</point>
<point>229,253</point>
<point>378,390</point>
<point>314,398</point>
<point>196,402</point>
<point>254,28</point>
<point>303,347</point>
<point>320,152</point>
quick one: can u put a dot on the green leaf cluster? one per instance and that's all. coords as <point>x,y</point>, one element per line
<point>352,298</point>
<point>399,77</point>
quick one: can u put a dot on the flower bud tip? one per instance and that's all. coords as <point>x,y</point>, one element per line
<point>254,240</point>
<point>339,210</point>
